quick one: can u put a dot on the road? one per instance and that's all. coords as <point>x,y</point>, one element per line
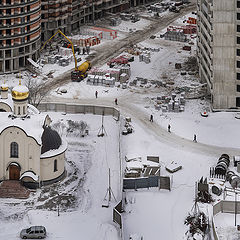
<point>127,106</point>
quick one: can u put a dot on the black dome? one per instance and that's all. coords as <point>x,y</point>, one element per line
<point>50,140</point>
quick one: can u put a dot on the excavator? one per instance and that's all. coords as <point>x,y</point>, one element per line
<point>80,72</point>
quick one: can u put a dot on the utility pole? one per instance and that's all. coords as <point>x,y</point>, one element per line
<point>235,208</point>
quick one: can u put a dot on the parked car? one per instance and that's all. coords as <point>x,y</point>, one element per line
<point>34,232</point>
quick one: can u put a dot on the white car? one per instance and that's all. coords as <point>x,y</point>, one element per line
<point>34,232</point>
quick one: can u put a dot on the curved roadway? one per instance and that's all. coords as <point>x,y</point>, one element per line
<point>127,107</point>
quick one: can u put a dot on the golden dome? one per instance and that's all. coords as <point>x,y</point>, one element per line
<point>4,87</point>
<point>20,92</point>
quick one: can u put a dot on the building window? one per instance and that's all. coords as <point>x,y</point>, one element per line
<point>14,150</point>
<point>238,28</point>
<point>238,40</point>
<point>238,52</point>
<point>238,16</point>
<point>19,111</point>
<point>238,4</point>
<point>238,101</point>
<point>55,165</point>
<point>24,110</point>
<point>238,76</point>
<point>238,88</point>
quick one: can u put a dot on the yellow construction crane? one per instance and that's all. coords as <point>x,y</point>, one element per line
<point>80,72</point>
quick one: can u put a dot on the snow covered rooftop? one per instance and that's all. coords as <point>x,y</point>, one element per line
<point>8,101</point>
<point>20,89</point>
<point>32,126</point>
<point>55,152</point>
<point>29,174</point>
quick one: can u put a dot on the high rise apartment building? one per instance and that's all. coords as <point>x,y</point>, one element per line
<point>20,33</point>
<point>69,15</point>
<point>25,24</point>
<point>218,50</point>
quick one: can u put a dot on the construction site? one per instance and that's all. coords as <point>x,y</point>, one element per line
<point>107,53</point>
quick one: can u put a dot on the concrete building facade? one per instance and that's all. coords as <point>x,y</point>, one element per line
<point>20,31</point>
<point>25,24</point>
<point>69,15</point>
<point>218,50</point>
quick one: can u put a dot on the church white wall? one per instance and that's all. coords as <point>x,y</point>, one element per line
<point>47,167</point>
<point>29,151</point>
<point>5,107</point>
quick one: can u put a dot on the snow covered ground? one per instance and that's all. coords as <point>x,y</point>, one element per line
<point>81,193</point>
<point>152,214</point>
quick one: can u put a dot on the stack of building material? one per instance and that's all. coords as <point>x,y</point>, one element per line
<point>190,29</point>
<point>64,61</point>
<point>145,56</point>
<point>157,8</point>
<point>123,77</point>
<point>175,36</point>
<point>84,41</point>
<point>124,69</point>
<point>52,59</point>
<point>118,60</point>
<point>108,34</point>
<point>101,72</point>
<point>98,80</point>
<point>192,20</point>
<point>174,103</point>
<point>65,51</point>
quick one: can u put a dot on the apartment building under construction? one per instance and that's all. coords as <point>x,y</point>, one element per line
<point>25,24</point>
<point>20,33</point>
<point>218,49</point>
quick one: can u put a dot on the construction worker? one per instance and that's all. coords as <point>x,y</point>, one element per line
<point>169,128</point>
<point>151,118</point>
<point>116,101</point>
<point>96,94</point>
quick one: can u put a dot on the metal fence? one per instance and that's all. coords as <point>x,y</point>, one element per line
<point>224,207</point>
<point>77,108</point>
<point>117,217</point>
<point>147,182</point>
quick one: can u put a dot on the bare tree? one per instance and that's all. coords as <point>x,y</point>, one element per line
<point>77,128</point>
<point>37,91</point>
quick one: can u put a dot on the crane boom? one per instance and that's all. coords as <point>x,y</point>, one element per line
<point>59,31</point>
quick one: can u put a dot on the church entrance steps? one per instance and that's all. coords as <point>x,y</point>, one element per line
<point>13,189</point>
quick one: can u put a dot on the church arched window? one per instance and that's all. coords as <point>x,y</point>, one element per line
<point>14,150</point>
<point>19,111</point>
<point>55,165</point>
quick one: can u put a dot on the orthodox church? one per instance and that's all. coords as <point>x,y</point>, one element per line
<point>30,150</point>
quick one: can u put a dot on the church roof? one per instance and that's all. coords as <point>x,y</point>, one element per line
<point>50,140</point>
<point>7,101</point>
<point>20,92</point>
<point>32,126</point>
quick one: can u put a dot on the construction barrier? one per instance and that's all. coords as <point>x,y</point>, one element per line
<point>77,108</point>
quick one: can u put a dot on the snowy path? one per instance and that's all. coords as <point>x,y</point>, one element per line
<point>127,107</point>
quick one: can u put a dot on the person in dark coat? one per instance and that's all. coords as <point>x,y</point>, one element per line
<point>116,101</point>
<point>96,94</point>
<point>169,128</point>
<point>194,138</point>
<point>151,118</point>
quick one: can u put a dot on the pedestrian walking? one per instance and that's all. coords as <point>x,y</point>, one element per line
<point>116,101</point>
<point>96,94</point>
<point>194,138</point>
<point>169,128</point>
<point>151,118</point>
